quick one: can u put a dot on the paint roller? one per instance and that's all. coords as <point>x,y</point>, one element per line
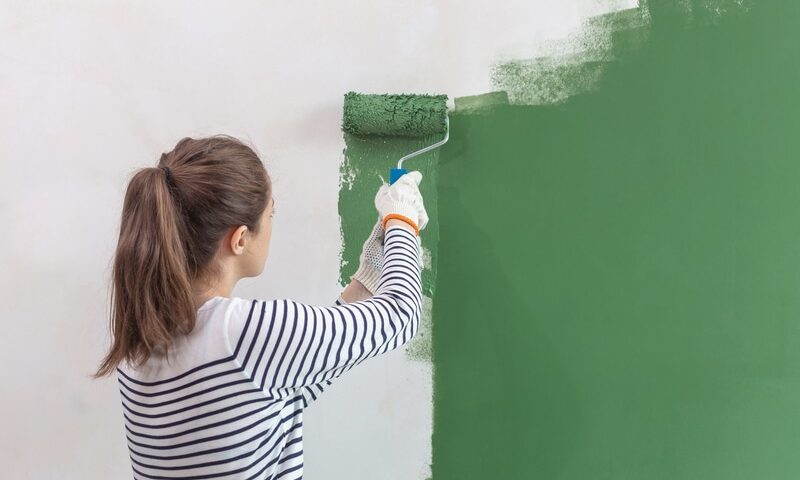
<point>397,115</point>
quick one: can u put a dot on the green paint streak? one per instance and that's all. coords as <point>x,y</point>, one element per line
<point>618,287</point>
<point>477,103</point>
<point>366,160</point>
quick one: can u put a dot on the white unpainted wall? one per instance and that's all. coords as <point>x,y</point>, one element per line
<point>92,90</point>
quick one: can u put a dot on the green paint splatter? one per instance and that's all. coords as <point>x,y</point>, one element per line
<point>573,65</point>
<point>618,273</point>
<point>366,165</point>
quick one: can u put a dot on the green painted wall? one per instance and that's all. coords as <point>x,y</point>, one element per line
<point>618,276</point>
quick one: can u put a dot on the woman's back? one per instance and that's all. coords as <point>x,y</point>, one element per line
<point>229,401</point>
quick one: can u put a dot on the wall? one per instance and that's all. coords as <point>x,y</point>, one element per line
<point>617,285</point>
<point>94,90</point>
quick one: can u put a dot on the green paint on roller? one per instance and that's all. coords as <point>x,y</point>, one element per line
<point>404,115</point>
<point>618,273</point>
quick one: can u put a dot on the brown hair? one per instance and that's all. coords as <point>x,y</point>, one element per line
<point>171,229</point>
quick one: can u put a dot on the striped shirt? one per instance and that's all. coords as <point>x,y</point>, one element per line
<point>229,403</point>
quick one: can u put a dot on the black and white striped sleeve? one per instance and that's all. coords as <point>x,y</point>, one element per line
<point>307,346</point>
<point>312,392</point>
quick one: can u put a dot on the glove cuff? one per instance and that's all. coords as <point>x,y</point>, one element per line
<point>368,277</point>
<point>400,217</point>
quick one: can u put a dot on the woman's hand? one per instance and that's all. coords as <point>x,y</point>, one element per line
<point>371,260</point>
<point>403,201</point>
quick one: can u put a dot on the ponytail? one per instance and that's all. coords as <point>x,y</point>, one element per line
<point>173,219</point>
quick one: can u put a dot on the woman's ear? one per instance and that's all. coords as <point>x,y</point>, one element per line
<point>237,241</point>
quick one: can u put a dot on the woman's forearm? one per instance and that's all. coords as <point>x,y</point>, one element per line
<point>355,292</point>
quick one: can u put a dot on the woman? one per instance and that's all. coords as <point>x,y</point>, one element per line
<point>214,385</point>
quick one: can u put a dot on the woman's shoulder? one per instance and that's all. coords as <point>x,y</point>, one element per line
<point>242,317</point>
<point>248,318</point>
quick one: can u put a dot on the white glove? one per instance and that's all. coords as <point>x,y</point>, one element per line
<point>403,198</point>
<point>371,260</point>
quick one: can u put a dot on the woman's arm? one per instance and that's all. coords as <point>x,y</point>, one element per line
<point>307,346</point>
<point>311,392</point>
<point>355,291</point>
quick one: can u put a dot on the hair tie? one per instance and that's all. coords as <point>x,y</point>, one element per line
<point>167,173</point>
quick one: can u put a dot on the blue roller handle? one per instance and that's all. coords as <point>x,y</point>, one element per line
<point>396,173</point>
